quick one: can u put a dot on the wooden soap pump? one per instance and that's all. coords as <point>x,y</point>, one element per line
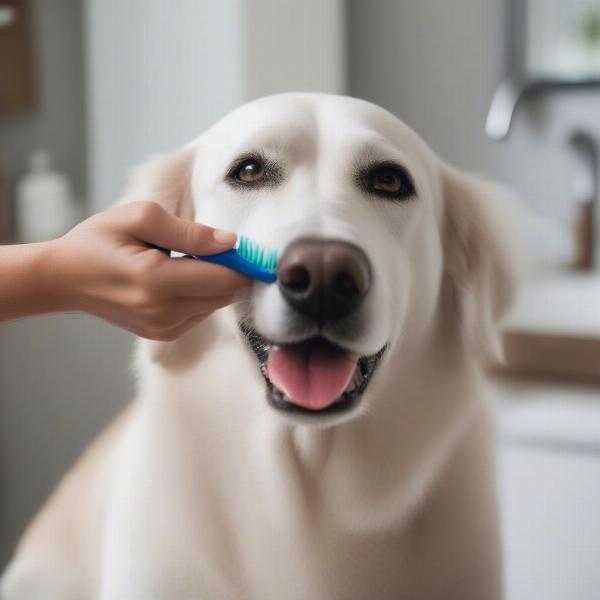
<point>585,190</point>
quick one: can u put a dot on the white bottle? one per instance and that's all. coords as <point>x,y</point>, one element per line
<point>45,208</point>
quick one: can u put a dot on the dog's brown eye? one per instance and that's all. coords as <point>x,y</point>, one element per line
<point>387,180</point>
<point>250,170</point>
<point>253,172</point>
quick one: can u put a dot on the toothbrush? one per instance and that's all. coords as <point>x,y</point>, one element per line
<point>247,257</point>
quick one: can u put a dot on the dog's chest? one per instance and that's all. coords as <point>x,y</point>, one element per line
<point>290,546</point>
<point>320,564</point>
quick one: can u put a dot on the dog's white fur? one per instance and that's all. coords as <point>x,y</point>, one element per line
<point>203,491</point>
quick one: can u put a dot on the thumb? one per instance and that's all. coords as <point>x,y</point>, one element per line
<point>157,226</point>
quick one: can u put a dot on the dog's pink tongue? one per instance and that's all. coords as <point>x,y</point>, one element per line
<point>310,375</point>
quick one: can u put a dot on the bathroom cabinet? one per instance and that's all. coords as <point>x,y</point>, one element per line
<point>16,58</point>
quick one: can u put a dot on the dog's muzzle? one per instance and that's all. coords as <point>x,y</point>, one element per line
<point>323,283</point>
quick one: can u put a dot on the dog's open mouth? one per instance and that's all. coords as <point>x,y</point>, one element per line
<point>313,376</point>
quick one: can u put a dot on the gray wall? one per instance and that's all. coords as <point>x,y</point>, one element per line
<point>294,46</point>
<point>436,64</point>
<point>57,122</point>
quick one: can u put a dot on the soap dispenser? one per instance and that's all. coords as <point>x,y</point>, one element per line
<point>45,208</point>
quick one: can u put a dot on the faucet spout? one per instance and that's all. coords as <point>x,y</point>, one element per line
<point>504,103</point>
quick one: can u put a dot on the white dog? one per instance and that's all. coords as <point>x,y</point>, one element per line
<point>325,437</point>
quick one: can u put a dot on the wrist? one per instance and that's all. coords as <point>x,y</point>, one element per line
<point>52,286</point>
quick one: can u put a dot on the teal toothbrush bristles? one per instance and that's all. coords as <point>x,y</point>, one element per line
<point>248,257</point>
<point>265,258</point>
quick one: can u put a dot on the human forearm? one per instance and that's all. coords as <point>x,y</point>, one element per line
<point>29,284</point>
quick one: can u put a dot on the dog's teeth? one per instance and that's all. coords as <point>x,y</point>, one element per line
<point>354,382</point>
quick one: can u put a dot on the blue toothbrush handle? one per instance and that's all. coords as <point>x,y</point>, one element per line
<point>232,260</point>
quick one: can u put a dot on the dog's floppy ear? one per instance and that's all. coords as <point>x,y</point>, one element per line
<point>480,258</point>
<point>165,179</point>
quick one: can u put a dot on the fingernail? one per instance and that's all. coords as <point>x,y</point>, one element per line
<point>226,238</point>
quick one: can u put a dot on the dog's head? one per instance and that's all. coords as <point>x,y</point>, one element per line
<point>377,241</point>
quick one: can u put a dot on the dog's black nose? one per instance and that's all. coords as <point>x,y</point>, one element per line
<point>324,279</point>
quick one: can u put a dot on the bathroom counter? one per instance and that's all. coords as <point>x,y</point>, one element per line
<point>554,329</point>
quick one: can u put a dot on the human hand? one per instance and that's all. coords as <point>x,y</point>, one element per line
<point>104,267</point>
